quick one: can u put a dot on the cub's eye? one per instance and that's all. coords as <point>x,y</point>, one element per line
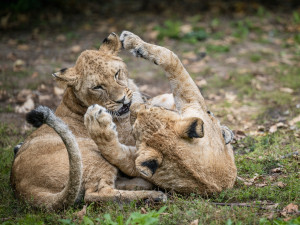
<point>98,87</point>
<point>117,75</point>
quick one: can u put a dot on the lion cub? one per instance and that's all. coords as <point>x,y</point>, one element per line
<point>182,150</point>
<point>55,168</point>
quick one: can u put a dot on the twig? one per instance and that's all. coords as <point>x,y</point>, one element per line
<point>244,205</point>
<point>5,219</point>
<point>289,155</point>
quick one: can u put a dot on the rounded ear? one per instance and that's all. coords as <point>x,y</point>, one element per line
<point>111,44</point>
<point>67,76</point>
<point>190,127</point>
<point>148,160</point>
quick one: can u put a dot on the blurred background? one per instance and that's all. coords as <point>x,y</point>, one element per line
<point>243,55</point>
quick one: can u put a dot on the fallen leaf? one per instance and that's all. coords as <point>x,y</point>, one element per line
<point>269,215</point>
<point>294,120</point>
<point>61,38</point>
<point>11,56</point>
<point>281,125</point>
<point>75,49</point>
<point>261,128</point>
<point>272,206</point>
<point>195,222</point>
<point>143,210</point>
<point>280,184</point>
<point>34,75</point>
<point>23,95</point>
<point>273,129</point>
<point>153,34</point>
<point>231,60</point>
<point>286,90</point>
<point>276,170</point>
<point>26,107</point>
<point>261,185</point>
<point>23,47</point>
<point>289,209</point>
<point>186,28</point>
<point>58,91</point>
<point>80,214</point>
<point>201,83</point>
<point>18,65</point>
<point>43,98</point>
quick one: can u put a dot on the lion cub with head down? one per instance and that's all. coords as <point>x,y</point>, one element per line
<point>182,150</point>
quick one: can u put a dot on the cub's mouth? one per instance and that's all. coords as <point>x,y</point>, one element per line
<point>123,110</point>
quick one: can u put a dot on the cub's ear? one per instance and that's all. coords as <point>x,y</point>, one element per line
<point>111,44</point>
<point>67,76</point>
<point>191,127</point>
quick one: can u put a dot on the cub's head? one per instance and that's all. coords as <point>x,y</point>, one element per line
<point>100,77</point>
<point>161,132</point>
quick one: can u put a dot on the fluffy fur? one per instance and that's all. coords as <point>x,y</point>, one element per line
<point>182,150</point>
<point>41,172</point>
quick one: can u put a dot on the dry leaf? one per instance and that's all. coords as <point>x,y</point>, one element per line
<point>186,28</point>
<point>295,120</point>
<point>280,184</point>
<point>261,185</point>
<point>23,47</point>
<point>286,90</point>
<point>58,91</point>
<point>143,210</point>
<point>273,129</point>
<point>34,75</point>
<point>80,214</point>
<point>276,170</point>
<point>23,95</point>
<point>231,60</point>
<point>61,38</point>
<point>271,206</point>
<point>201,83</point>
<point>289,209</point>
<point>75,49</point>
<point>43,98</point>
<point>195,222</point>
<point>26,107</point>
<point>269,215</point>
<point>19,65</point>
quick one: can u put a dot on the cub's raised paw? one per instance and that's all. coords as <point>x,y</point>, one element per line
<point>133,43</point>
<point>99,122</point>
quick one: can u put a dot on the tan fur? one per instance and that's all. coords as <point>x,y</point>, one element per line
<point>40,170</point>
<point>181,150</point>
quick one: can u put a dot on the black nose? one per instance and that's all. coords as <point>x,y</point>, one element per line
<point>121,101</point>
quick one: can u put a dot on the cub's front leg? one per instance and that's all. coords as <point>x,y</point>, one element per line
<point>185,91</point>
<point>103,131</point>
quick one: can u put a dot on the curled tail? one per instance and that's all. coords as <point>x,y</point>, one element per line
<point>68,195</point>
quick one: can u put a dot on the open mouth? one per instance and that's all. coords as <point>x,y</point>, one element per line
<point>124,109</point>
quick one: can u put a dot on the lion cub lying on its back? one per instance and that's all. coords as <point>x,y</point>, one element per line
<point>182,150</point>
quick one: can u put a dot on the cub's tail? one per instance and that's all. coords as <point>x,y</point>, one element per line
<point>44,115</point>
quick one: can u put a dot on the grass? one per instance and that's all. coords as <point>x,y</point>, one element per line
<point>264,155</point>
